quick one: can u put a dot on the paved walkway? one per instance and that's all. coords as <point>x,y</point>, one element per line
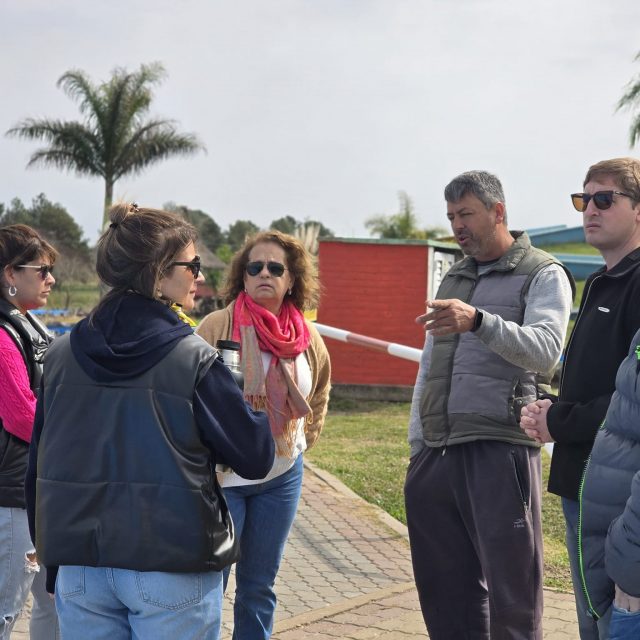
<point>347,574</point>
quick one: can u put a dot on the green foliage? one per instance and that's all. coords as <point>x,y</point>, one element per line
<point>630,100</point>
<point>287,224</point>
<point>55,224</point>
<point>238,232</point>
<point>78,298</point>
<point>209,232</point>
<point>581,248</point>
<point>225,253</point>
<point>364,444</point>
<point>401,225</point>
<point>116,137</point>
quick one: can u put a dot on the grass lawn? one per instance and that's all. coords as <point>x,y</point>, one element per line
<point>74,296</point>
<point>364,444</point>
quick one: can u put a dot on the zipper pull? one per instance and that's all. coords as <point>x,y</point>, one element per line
<point>444,450</point>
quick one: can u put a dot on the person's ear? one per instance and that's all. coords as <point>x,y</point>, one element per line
<point>9,275</point>
<point>500,211</point>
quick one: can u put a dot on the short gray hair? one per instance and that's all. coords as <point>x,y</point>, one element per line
<point>481,184</point>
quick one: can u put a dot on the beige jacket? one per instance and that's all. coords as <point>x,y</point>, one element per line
<point>219,325</point>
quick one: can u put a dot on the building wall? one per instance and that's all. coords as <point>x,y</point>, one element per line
<point>375,289</point>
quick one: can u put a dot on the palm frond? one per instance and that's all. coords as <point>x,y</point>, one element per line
<point>65,160</point>
<point>634,132</point>
<point>116,137</point>
<point>631,95</point>
<point>152,142</point>
<point>77,85</point>
<point>129,97</point>
<point>70,141</point>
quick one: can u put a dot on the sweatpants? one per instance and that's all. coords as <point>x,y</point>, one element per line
<point>473,514</point>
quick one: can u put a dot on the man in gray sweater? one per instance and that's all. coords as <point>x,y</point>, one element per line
<point>496,325</point>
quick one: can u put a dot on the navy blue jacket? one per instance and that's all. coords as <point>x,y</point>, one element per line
<point>609,534</point>
<point>128,338</point>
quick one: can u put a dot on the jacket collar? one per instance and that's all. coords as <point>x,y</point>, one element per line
<point>627,264</point>
<point>509,260</point>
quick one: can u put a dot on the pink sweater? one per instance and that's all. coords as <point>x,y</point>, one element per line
<point>17,401</point>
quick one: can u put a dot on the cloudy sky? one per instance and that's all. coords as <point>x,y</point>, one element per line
<point>325,109</point>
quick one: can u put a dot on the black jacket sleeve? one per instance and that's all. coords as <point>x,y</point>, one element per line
<point>574,422</point>
<point>237,435</point>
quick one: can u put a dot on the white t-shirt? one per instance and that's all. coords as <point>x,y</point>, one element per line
<point>281,464</point>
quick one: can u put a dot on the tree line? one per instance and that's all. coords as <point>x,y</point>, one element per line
<point>117,137</point>
<point>58,226</point>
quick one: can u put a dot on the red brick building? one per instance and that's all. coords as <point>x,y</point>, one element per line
<point>376,288</point>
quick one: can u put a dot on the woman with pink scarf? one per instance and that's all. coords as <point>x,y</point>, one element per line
<point>271,280</point>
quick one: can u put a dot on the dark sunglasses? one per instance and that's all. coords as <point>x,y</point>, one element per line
<point>43,269</point>
<point>602,199</point>
<point>194,266</point>
<point>275,268</point>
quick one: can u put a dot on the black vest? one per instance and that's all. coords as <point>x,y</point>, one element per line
<point>124,478</point>
<point>32,340</point>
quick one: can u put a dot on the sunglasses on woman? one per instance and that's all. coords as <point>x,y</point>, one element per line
<point>602,199</point>
<point>275,268</point>
<point>43,269</point>
<point>194,266</point>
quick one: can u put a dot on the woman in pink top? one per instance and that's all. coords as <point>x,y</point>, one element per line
<point>26,261</point>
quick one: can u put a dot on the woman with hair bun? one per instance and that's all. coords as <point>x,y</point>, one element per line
<point>141,410</point>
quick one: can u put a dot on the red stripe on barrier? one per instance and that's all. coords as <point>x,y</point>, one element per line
<point>365,341</point>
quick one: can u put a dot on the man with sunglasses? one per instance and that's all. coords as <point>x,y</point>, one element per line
<point>607,320</point>
<point>473,484</point>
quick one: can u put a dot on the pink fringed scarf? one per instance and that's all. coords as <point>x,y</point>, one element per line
<point>285,336</point>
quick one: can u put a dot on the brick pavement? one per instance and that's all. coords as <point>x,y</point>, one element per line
<point>347,574</point>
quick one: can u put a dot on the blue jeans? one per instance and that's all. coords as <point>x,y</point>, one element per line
<point>262,514</point>
<point>588,627</point>
<point>624,625</point>
<point>19,575</point>
<point>120,604</point>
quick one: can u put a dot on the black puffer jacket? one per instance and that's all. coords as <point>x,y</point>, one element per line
<point>31,338</point>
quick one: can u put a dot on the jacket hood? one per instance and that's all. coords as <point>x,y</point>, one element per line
<point>126,337</point>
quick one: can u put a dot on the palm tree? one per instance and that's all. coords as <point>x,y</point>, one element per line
<point>631,100</point>
<point>401,225</point>
<point>116,137</point>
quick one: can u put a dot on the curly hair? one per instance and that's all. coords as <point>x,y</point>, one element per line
<point>305,292</point>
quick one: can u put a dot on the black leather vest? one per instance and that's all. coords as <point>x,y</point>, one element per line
<point>124,478</point>
<point>32,339</point>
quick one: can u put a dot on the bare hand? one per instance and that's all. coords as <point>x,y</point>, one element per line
<point>625,601</point>
<point>533,420</point>
<point>448,316</point>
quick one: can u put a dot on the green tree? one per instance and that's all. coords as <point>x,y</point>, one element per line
<point>55,224</point>
<point>286,224</point>
<point>631,101</point>
<point>323,232</point>
<point>238,232</point>
<point>401,225</point>
<point>116,138</point>
<point>209,232</point>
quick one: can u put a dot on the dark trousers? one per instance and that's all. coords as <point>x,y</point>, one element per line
<point>473,513</point>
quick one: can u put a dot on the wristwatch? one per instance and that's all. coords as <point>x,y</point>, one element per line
<point>477,321</point>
